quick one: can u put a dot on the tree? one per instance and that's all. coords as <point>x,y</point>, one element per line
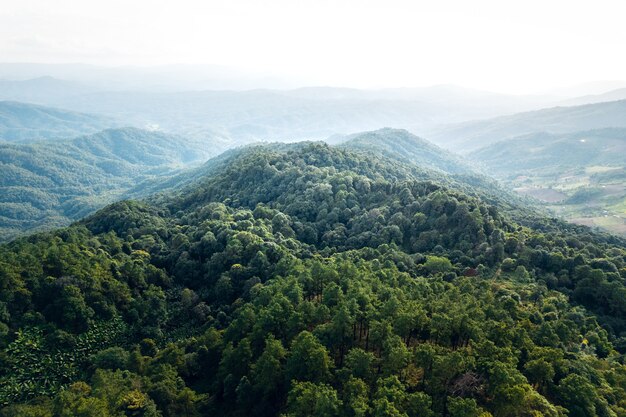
<point>77,402</point>
<point>355,397</point>
<point>578,396</point>
<point>464,407</point>
<point>307,399</point>
<point>360,363</point>
<point>111,358</point>
<point>382,407</point>
<point>395,355</point>
<point>308,359</point>
<point>148,347</point>
<point>539,372</point>
<point>268,370</point>
<point>437,264</point>
<point>70,310</point>
<point>419,404</point>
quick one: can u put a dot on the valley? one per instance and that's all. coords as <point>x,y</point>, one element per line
<point>579,176</point>
<point>587,199</point>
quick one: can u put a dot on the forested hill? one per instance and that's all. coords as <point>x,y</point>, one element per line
<point>402,145</point>
<point>312,281</point>
<point>407,154</point>
<point>51,183</point>
<point>23,122</point>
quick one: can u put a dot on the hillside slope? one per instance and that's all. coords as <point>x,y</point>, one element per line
<point>308,280</point>
<point>49,184</point>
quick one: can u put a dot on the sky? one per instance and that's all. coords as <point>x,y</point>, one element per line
<point>506,46</point>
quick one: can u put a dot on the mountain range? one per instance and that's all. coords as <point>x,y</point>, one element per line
<point>266,114</point>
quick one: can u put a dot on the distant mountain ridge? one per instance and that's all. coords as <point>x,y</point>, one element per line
<point>471,136</point>
<point>308,113</point>
<point>39,90</point>
<point>244,116</point>
<point>613,95</point>
<point>24,122</point>
<point>547,151</point>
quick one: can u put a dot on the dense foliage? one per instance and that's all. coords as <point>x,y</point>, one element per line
<point>307,280</point>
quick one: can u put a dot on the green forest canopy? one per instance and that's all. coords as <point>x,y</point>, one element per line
<point>307,280</point>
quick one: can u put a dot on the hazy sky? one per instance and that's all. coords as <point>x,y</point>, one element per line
<point>514,46</point>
